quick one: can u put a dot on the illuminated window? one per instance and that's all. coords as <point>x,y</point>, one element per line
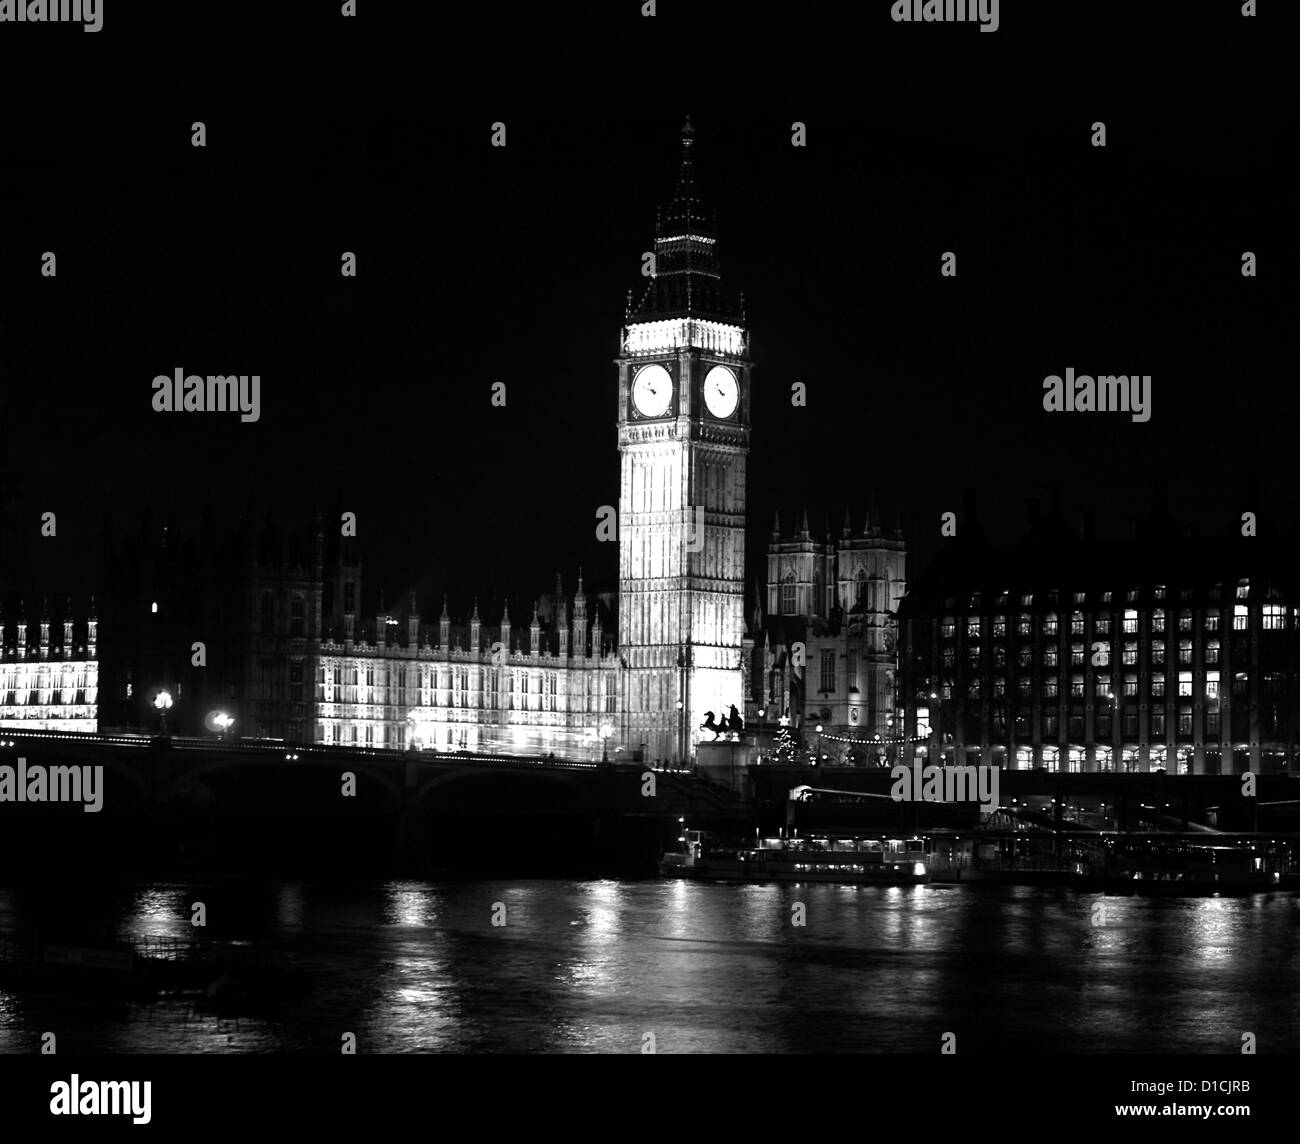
<point>973,631</point>
<point>1159,592</point>
<point>973,689</point>
<point>1157,687</point>
<point>1274,617</point>
<point>1212,620</point>
<point>1184,621</point>
<point>1076,687</point>
<point>999,627</point>
<point>1076,624</point>
<point>949,627</point>
<point>999,656</point>
<point>1049,655</point>
<point>1243,589</point>
<point>1050,687</point>
<point>1158,620</point>
<point>1240,617</point>
<point>1211,685</point>
<point>1049,624</point>
<point>1185,652</point>
<point>1024,758</point>
<point>1105,597</point>
<point>1184,684</point>
<point>1103,684</point>
<point>1026,601</point>
<point>1158,654</point>
<point>1076,655</point>
<point>1130,622</point>
<point>1130,655</point>
<point>1130,685</point>
<point>1212,651</point>
<point>1103,625</point>
<point>1000,685</point>
<point>1023,626</point>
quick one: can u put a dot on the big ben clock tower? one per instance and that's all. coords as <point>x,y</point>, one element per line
<point>683,436</point>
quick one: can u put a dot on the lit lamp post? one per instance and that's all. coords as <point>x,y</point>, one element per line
<point>223,723</point>
<point>163,701</point>
<point>761,712</point>
<point>681,726</point>
<point>820,756</point>
<point>1110,695</point>
<point>606,731</point>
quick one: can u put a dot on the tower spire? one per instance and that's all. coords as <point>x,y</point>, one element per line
<point>686,280</point>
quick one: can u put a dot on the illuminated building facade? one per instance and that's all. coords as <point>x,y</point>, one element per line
<point>826,639</point>
<point>683,439</point>
<point>1075,656</point>
<point>47,686</point>
<point>550,688</point>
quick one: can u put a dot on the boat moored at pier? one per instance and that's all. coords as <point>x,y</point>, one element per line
<point>850,860</point>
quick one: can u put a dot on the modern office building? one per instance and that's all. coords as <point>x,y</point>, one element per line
<point>1164,653</point>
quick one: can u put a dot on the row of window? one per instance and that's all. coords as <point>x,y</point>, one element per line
<point>1050,656</point>
<point>1158,592</point>
<point>1272,618</point>
<point>1272,685</point>
<point>55,698</point>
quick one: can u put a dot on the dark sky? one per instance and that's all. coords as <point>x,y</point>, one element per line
<point>479,265</point>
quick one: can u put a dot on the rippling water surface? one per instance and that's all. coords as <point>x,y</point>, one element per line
<point>593,966</point>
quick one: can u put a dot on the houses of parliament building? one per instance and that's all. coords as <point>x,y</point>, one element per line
<point>289,654</point>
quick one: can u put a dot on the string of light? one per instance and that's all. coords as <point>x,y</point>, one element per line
<point>874,742</point>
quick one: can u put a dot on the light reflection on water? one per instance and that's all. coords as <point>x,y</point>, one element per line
<point>592,966</point>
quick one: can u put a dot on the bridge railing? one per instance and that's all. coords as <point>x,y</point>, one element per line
<point>299,750</point>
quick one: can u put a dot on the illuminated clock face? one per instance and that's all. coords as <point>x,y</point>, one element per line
<point>652,391</point>
<point>721,393</point>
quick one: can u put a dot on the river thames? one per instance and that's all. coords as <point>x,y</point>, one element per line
<point>595,966</point>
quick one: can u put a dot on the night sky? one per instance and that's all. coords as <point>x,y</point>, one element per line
<point>481,264</point>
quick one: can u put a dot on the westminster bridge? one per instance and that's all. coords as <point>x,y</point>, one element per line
<point>208,798</point>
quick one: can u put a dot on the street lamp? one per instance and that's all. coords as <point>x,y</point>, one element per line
<point>761,712</point>
<point>223,723</point>
<point>163,701</point>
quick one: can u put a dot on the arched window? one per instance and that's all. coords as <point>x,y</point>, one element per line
<point>787,595</point>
